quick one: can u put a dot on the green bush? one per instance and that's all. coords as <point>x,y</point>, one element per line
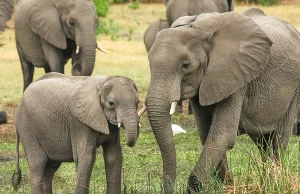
<point>102,7</point>
<point>109,27</point>
<point>261,2</point>
<point>268,2</point>
<point>134,5</point>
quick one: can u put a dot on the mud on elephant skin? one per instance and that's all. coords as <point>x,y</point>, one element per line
<point>228,64</point>
<point>49,42</point>
<point>64,118</point>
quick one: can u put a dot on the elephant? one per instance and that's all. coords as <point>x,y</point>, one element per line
<point>179,8</point>
<point>3,117</point>
<point>6,9</point>
<point>152,30</point>
<point>50,32</point>
<point>65,118</point>
<point>240,72</point>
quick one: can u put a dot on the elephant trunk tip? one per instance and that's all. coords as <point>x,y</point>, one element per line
<point>130,143</point>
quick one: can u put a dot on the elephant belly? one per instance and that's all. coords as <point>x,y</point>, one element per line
<point>267,102</point>
<point>57,146</point>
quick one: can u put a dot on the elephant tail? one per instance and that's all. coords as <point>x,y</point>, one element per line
<point>16,177</point>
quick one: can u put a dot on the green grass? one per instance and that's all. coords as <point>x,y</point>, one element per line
<point>142,167</point>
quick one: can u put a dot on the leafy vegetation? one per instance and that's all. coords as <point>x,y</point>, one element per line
<point>102,7</point>
<point>142,166</point>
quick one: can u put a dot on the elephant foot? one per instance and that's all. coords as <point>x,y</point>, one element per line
<point>194,185</point>
<point>3,117</point>
<point>179,109</point>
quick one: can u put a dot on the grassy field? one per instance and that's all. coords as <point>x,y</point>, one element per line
<point>142,164</point>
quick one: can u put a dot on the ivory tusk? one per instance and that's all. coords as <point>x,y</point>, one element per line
<point>142,111</point>
<point>119,125</point>
<point>77,49</point>
<point>173,107</point>
<point>103,50</point>
<point>140,125</point>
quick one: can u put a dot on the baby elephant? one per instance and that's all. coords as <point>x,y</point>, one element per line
<point>63,118</point>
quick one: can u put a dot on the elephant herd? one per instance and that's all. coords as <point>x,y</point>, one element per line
<point>241,73</point>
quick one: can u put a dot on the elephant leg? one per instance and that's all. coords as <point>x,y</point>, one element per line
<point>47,69</point>
<point>50,169</point>
<point>224,172</point>
<point>203,119</point>
<point>113,166</point>
<point>37,160</point>
<point>179,106</point>
<point>86,156</point>
<point>221,137</point>
<point>190,110</point>
<point>27,69</point>
<point>284,130</point>
<point>264,143</point>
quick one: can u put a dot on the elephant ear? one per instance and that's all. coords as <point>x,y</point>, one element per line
<point>85,104</point>
<point>238,52</point>
<point>44,20</point>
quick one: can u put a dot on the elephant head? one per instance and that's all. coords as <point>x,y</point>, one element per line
<point>6,9</point>
<point>58,21</point>
<point>179,8</point>
<point>97,101</point>
<point>211,56</point>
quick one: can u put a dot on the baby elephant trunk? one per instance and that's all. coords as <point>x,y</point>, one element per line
<point>131,126</point>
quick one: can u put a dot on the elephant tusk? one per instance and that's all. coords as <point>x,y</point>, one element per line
<point>119,125</point>
<point>77,49</point>
<point>103,50</point>
<point>173,107</point>
<point>140,125</point>
<point>142,111</point>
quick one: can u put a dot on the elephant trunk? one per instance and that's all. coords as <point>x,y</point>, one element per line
<point>86,42</point>
<point>131,125</point>
<point>158,107</point>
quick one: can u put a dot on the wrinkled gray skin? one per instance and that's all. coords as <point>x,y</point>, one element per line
<point>48,31</point>
<point>6,9</point>
<point>64,118</point>
<point>241,72</point>
<point>152,30</point>
<point>179,8</point>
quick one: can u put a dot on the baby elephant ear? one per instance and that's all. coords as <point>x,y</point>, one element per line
<point>238,52</point>
<point>85,104</point>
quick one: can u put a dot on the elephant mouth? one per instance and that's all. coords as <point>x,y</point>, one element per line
<point>119,125</point>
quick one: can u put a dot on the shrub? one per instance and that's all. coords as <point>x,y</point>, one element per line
<point>102,7</point>
<point>268,2</point>
<point>109,28</point>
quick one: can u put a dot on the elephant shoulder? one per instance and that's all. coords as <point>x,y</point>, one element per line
<point>253,12</point>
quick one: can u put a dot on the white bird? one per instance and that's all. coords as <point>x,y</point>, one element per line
<point>177,129</point>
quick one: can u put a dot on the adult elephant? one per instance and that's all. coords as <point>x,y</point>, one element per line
<point>179,8</point>
<point>6,9</point>
<point>152,30</point>
<point>50,32</point>
<point>240,72</point>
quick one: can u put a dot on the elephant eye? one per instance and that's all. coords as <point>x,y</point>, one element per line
<point>185,65</point>
<point>71,24</point>
<point>111,104</point>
